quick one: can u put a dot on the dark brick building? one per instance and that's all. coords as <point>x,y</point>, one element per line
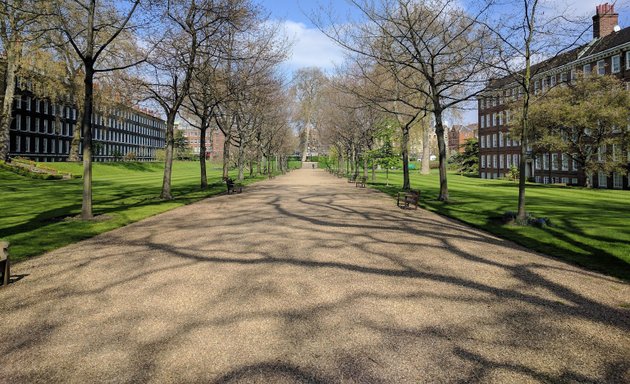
<point>607,53</point>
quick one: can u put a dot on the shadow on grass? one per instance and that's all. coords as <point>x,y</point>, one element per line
<point>588,256</point>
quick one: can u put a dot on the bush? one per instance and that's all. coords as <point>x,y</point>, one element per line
<point>33,175</point>
<point>160,155</point>
<point>131,156</point>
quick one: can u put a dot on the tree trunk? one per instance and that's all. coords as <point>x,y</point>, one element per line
<point>86,205</point>
<point>168,160</point>
<point>426,150</point>
<point>339,166</point>
<point>241,162</point>
<point>260,159</point>
<point>307,134</point>
<point>387,176</point>
<point>73,155</point>
<point>226,157</point>
<point>365,166</point>
<point>7,104</point>
<point>439,131</point>
<point>373,172</point>
<point>405,158</point>
<point>202,157</point>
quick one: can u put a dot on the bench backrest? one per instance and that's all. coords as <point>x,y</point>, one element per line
<point>4,250</point>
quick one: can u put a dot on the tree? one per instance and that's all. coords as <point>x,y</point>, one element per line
<point>19,27</point>
<point>468,161</point>
<point>90,29</point>
<point>518,40</point>
<point>586,120</point>
<point>187,27</point>
<point>307,87</point>
<point>385,155</point>
<point>432,49</point>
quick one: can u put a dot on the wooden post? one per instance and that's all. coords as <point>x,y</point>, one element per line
<point>4,262</point>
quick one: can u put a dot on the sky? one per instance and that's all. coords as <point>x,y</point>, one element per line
<point>312,48</point>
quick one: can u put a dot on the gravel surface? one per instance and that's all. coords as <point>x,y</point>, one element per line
<point>307,279</point>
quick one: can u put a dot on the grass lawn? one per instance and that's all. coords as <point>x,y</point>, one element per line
<point>37,215</point>
<point>590,227</point>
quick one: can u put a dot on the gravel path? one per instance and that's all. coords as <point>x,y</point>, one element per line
<point>307,279</point>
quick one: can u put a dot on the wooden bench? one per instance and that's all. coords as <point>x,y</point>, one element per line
<point>406,199</point>
<point>352,178</point>
<point>361,182</point>
<point>5,268</point>
<point>232,186</point>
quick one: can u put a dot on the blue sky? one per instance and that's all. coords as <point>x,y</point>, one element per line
<point>312,48</point>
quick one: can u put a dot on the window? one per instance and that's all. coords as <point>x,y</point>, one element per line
<point>18,122</point>
<point>494,140</point>
<point>483,161</point>
<point>545,159</point>
<point>616,64</point>
<point>553,80</point>
<point>601,67</point>
<point>494,161</point>
<point>601,153</point>
<point>536,87</point>
<point>554,161</point>
<point>500,139</point>
<point>483,122</point>
<point>617,181</point>
<point>37,125</point>
<point>563,77</point>
<point>574,163</point>
<point>508,161</point>
<point>573,75</point>
<point>28,103</point>
<point>515,159</point>
<point>602,180</point>
<point>18,140</point>
<point>565,162</point>
<point>627,59</point>
<point>586,69</point>
<point>538,166</point>
<point>501,161</point>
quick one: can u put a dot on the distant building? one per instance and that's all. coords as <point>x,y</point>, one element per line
<point>608,53</point>
<point>43,131</point>
<point>458,135</point>
<point>214,140</point>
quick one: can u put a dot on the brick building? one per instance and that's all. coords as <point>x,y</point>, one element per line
<point>458,135</point>
<point>607,53</point>
<point>214,141</point>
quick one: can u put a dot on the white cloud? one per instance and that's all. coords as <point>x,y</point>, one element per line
<point>311,48</point>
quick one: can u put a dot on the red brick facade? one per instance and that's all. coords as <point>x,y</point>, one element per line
<point>608,54</point>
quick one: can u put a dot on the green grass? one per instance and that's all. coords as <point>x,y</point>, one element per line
<point>590,227</point>
<point>37,215</point>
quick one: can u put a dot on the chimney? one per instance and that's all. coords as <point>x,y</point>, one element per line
<point>605,20</point>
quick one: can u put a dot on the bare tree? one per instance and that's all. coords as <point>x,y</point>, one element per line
<point>169,70</point>
<point>19,28</point>
<point>434,39</point>
<point>520,40</point>
<point>91,27</point>
<point>306,89</point>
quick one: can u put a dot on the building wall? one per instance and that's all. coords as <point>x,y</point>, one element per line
<point>214,141</point>
<point>43,131</point>
<point>498,152</point>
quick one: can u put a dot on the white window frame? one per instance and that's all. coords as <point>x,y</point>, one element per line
<point>616,64</point>
<point>554,161</point>
<point>601,67</point>
<point>587,69</point>
<point>627,59</point>
<point>565,162</point>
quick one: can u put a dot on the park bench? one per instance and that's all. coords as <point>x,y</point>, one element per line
<point>232,186</point>
<point>352,178</point>
<point>406,199</point>
<point>361,182</point>
<point>5,270</point>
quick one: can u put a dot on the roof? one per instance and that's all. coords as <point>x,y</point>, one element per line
<point>592,48</point>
